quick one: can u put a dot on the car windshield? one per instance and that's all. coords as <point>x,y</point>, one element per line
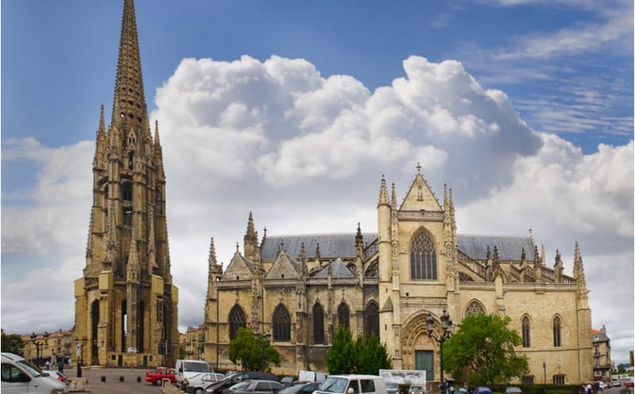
<point>197,367</point>
<point>240,386</point>
<point>31,369</point>
<point>334,385</point>
<point>392,385</point>
<point>416,388</point>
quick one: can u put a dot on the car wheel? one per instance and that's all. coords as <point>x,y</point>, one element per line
<point>199,390</point>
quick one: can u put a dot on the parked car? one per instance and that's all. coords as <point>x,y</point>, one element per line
<point>342,384</point>
<point>255,387</point>
<point>157,376</point>
<point>300,388</point>
<point>219,387</point>
<point>392,388</point>
<point>287,381</point>
<point>57,375</point>
<point>416,389</point>
<point>482,390</point>
<point>462,390</point>
<point>197,383</point>
<point>513,390</point>
<point>628,383</point>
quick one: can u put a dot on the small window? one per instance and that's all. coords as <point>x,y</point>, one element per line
<point>126,191</point>
<point>127,216</point>
<point>368,385</point>
<point>556,332</point>
<point>559,379</point>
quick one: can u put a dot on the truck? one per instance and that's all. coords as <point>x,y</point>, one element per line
<point>404,376</point>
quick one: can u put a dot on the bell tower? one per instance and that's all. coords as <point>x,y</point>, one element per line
<point>125,302</point>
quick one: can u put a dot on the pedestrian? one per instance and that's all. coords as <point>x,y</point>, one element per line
<point>47,365</point>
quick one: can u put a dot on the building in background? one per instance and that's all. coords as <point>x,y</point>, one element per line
<point>601,355</point>
<point>300,288</point>
<point>126,302</point>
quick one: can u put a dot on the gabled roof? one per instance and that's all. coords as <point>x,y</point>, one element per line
<point>338,269</point>
<point>239,267</point>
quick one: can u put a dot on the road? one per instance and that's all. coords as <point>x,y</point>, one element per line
<point>118,380</point>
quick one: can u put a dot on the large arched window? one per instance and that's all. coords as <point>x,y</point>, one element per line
<point>343,316</point>
<point>526,330</point>
<point>371,320</point>
<point>236,320</point>
<point>423,258</point>
<point>281,324</point>
<point>556,332</point>
<point>318,324</point>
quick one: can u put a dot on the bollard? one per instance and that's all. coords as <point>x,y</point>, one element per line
<point>138,379</point>
<point>121,378</point>
<point>103,378</point>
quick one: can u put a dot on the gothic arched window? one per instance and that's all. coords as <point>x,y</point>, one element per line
<point>236,320</point>
<point>281,324</point>
<point>343,315</point>
<point>526,330</point>
<point>474,308</point>
<point>371,320</point>
<point>423,258</point>
<point>126,191</point>
<point>556,332</point>
<point>318,324</point>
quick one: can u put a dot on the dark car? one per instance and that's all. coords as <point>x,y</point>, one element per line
<point>482,390</point>
<point>301,388</point>
<point>218,387</point>
<point>255,387</point>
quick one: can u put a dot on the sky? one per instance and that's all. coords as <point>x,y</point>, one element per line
<point>294,111</point>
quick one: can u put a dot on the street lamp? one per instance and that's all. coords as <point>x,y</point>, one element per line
<point>39,345</point>
<point>79,347</point>
<point>264,341</point>
<point>445,325</point>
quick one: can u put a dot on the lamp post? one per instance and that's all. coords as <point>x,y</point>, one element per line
<point>264,341</point>
<point>38,345</point>
<point>445,325</point>
<point>78,346</point>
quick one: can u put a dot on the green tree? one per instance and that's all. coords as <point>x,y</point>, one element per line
<point>251,351</point>
<point>366,356</point>
<point>12,343</point>
<point>340,358</point>
<point>371,356</point>
<point>483,349</point>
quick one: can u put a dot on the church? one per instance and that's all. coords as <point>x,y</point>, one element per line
<point>126,302</point>
<point>417,268</point>
<point>299,288</point>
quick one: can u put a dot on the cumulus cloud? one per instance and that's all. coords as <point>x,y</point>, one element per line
<point>306,153</point>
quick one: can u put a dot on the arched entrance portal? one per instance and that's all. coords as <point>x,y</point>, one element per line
<point>419,351</point>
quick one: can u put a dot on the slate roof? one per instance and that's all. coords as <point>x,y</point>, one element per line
<point>343,245</point>
<point>338,269</point>
<point>509,248</point>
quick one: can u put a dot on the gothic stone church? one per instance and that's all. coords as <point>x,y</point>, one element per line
<point>300,288</point>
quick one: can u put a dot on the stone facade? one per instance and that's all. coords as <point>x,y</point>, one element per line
<point>300,288</point>
<point>125,302</point>
<point>601,355</point>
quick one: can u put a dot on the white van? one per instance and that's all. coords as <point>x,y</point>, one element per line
<point>20,376</point>
<point>353,384</point>
<point>185,369</point>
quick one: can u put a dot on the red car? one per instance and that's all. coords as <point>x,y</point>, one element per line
<point>158,375</point>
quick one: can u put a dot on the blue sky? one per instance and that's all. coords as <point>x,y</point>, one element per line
<point>320,96</point>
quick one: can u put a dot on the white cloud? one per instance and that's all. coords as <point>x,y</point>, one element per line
<point>306,154</point>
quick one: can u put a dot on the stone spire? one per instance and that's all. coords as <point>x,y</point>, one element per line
<point>359,241</point>
<point>250,240</point>
<point>578,273</point>
<point>383,192</point>
<point>129,102</point>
